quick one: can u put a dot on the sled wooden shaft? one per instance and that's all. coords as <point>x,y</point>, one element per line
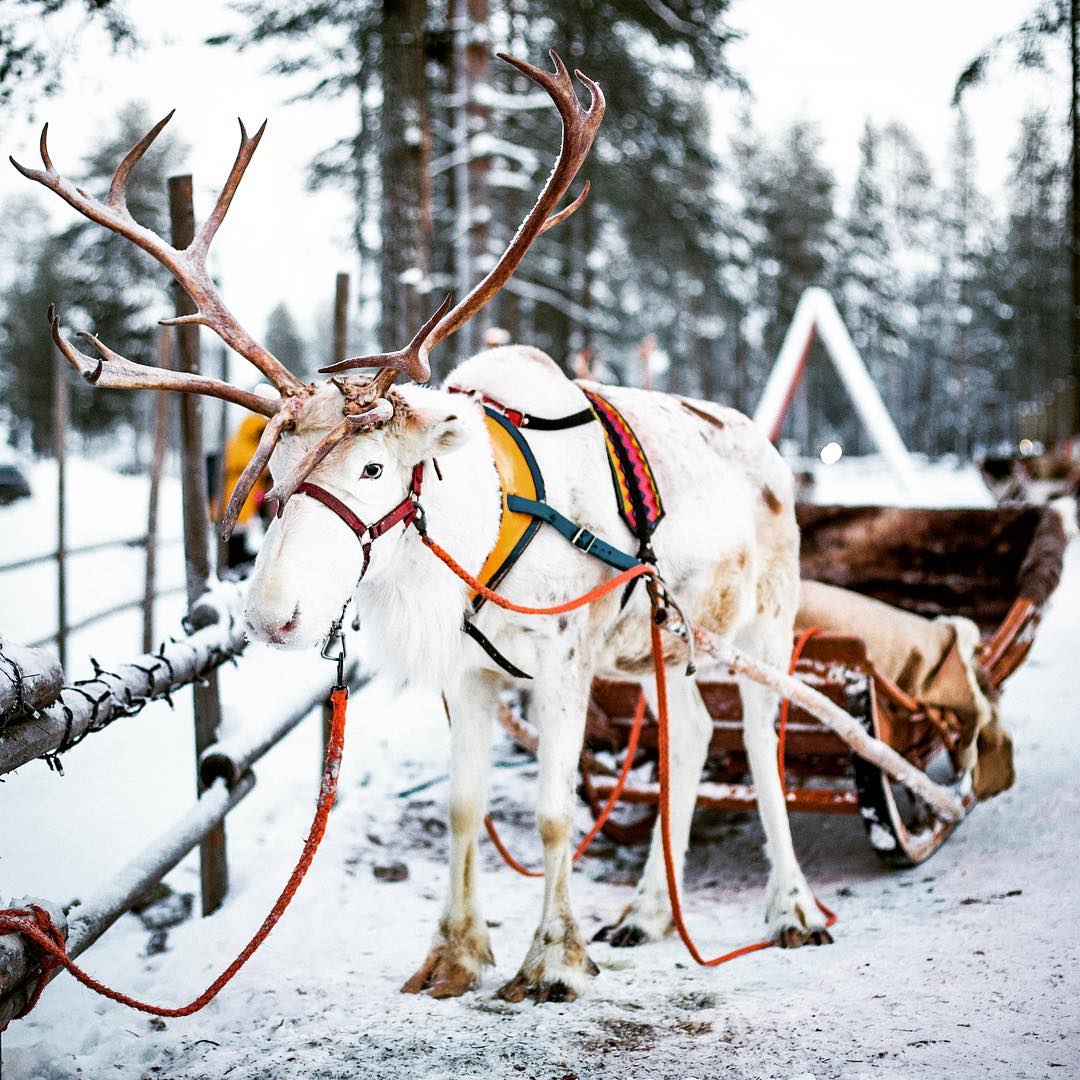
<point>948,806</point>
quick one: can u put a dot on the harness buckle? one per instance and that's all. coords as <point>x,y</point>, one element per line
<point>582,531</point>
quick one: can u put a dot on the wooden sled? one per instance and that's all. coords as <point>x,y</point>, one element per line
<point>996,567</point>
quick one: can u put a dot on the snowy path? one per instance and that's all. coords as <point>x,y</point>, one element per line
<point>965,967</point>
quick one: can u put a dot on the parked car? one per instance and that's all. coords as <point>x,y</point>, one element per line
<point>13,484</point>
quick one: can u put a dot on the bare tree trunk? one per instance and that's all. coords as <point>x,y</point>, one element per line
<point>221,559</point>
<point>405,150</point>
<point>477,64</point>
<point>340,345</point>
<point>1074,202</point>
<point>463,270</point>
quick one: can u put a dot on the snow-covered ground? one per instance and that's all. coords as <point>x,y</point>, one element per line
<point>965,967</point>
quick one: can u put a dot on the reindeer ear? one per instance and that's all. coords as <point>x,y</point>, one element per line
<point>434,433</point>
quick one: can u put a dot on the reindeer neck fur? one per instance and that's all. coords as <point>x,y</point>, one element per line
<point>410,604</point>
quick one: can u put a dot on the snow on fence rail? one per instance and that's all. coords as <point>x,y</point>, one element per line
<point>91,704</point>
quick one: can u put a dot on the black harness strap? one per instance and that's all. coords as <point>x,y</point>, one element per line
<point>527,420</point>
<point>507,665</point>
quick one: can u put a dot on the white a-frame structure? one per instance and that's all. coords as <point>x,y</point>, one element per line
<point>816,315</point>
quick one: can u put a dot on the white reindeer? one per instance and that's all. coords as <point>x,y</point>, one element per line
<point>728,548</point>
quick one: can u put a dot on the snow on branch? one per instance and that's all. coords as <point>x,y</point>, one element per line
<point>490,97</point>
<point>530,290</point>
<point>485,145</point>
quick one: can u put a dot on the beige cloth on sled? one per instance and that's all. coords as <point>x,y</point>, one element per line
<point>933,660</point>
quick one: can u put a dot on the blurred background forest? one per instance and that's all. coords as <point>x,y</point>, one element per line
<point>960,304</point>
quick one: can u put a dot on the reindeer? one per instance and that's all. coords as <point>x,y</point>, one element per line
<point>352,450</point>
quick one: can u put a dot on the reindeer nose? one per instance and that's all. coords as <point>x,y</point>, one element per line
<point>279,634</point>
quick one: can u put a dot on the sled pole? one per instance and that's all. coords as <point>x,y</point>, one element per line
<point>944,803</point>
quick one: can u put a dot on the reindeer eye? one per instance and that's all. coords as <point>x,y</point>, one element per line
<point>372,471</point>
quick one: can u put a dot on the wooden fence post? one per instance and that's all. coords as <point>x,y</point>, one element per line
<point>161,439</point>
<point>339,347</point>
<point>212,857</point>
<point>222,447</point>
<point>60,426</point>
<point>341,318</point>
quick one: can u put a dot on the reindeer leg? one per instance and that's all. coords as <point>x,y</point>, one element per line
<point>460,947</point>
<point>556,963</point>
<point>648,918</point>
<point>792,914</point>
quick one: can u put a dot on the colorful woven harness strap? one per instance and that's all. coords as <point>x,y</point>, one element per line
<point>636,491</point>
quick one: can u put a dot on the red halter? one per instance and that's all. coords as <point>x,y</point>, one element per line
<point>409,511</point>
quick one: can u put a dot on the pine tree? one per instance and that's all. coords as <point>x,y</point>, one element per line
<point>36,37</point>
<point>653,150</point>
<point>1036,289</point>
<point>284,340</point>
<point>788,196</point>
<point>870,290</point>
<point>1051,23</point>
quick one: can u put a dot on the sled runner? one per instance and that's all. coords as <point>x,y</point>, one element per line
<point>920,617</point>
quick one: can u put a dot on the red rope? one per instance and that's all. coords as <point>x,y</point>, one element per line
<point>601,818</point>
<point>50,950</point>
<point>785,705</point>
<point>660,676</point>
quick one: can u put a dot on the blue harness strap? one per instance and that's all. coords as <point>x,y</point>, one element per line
<point>579,536</point>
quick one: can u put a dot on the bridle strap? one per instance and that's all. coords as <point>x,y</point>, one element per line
<point>407,511</point>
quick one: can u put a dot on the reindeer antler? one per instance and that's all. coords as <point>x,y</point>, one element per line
<point>187,266</point>
<point>579,130</point>
<point>113,371</point>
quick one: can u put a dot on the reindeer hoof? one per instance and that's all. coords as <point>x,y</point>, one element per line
<point>443,976</point>
<point>520,987</point>
<point>791,937</point>
<point>794,937</point>
<point>604,933</point>
<point>627,936</point>
<point>514,991</point>
<point>556,991</point>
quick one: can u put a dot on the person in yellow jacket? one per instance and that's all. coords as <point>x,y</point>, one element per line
<point>239,450</point>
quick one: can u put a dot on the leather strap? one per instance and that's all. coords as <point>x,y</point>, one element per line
<point>580,537</point>
<point>408,512</point>
<point>507,665</point>
<point>527,420</point>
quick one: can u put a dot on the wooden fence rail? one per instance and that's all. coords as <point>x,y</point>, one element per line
<point>84,549</point>
<point>109,612</point>
<point>89,920</point>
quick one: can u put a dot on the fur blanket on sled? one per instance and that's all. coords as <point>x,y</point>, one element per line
<point>933,660</point>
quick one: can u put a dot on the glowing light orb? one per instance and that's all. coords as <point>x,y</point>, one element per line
<point>831,453</point>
